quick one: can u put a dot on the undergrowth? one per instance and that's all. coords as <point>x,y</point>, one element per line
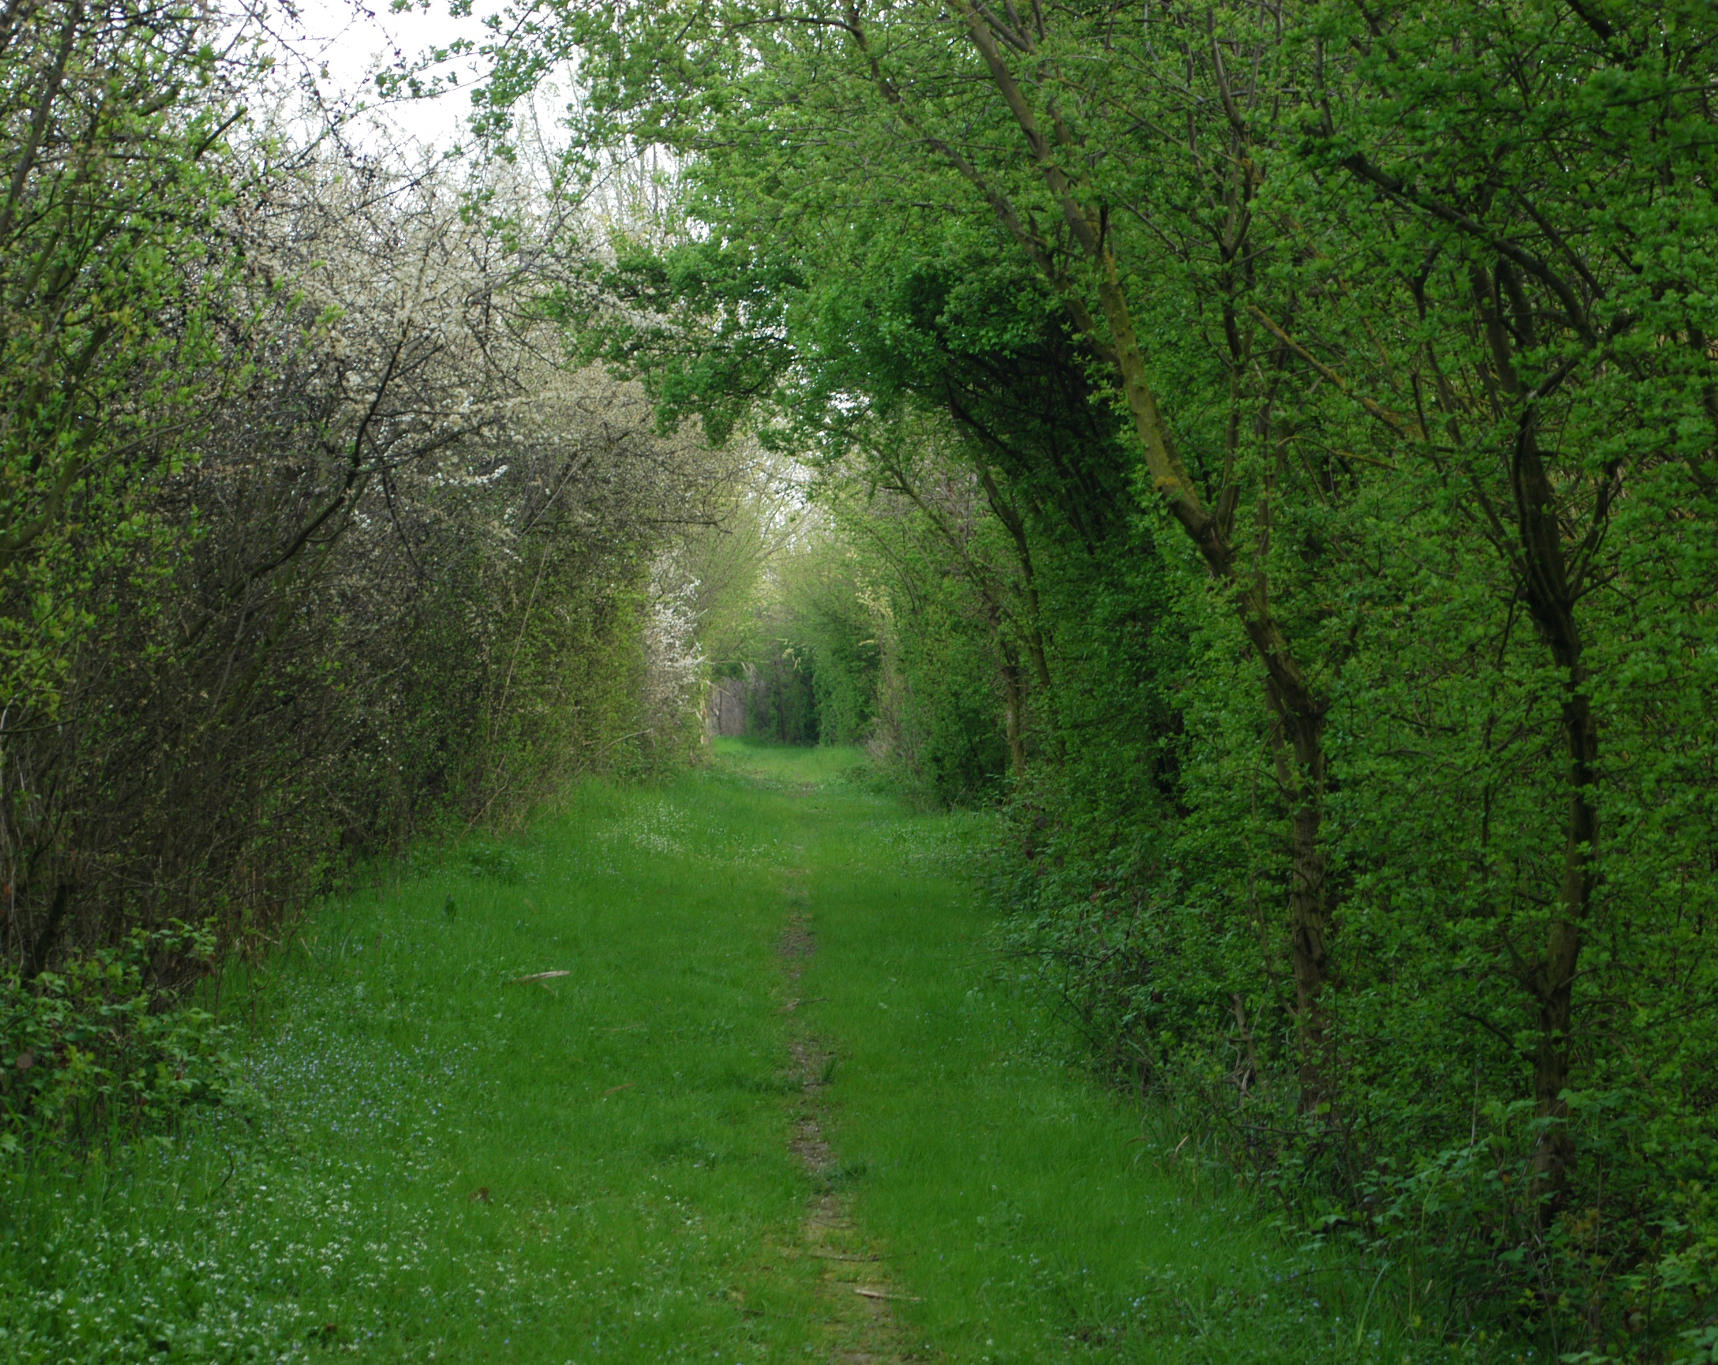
<point>103,1050</point>
<point>531,1099</point>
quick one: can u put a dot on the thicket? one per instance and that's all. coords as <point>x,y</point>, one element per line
<point>312,538</point>
<point>1278,447</point>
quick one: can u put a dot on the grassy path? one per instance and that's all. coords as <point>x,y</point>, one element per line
<point>716,1071</point>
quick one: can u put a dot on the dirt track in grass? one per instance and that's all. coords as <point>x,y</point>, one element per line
<point>857,1294</point>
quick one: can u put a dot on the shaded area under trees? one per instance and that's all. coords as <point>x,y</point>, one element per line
<point>1277,448</point>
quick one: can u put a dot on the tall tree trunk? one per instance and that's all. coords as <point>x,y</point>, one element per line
<point>1551,979</point>
<point>1542,570</point>
<point>1298,704</point>
<point>1298,751</point>
<point>1014,700</point>
<point>1016,529</point>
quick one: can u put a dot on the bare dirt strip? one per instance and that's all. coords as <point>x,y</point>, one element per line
<point>856,1308</point>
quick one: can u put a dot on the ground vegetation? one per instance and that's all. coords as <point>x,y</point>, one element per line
<point>1274,450</point>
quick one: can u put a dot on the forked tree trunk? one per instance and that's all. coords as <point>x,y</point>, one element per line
<point>1542,571</point>
<point>1297,703</point>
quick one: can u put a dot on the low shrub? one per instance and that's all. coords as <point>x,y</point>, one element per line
<point>103,1049</point>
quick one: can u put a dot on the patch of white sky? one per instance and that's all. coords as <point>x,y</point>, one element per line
<point>347,50</point>
<point>430,54</point>
<point>398,79</point>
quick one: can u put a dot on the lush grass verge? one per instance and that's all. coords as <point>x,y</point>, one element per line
<point>450,1166</point>
<point>1032,1214</point>
<point>448,1161</point>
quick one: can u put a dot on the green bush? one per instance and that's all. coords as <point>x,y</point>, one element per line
<point>102,1049</point>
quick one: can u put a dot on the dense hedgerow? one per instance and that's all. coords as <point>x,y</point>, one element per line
<point>1280,454</point>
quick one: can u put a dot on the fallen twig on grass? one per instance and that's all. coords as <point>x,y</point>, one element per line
<point>537,976</point>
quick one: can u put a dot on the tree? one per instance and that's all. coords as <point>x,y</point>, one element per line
<point>966,115</point>
<point>116,172</point>
<point>1543,344</point>
<point>1389,325</point>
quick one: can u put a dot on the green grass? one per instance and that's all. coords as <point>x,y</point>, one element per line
<point>447,1163</point>
<point>1031,1212</point>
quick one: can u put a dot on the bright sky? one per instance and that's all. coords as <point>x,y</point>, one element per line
<point>345,42</point>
